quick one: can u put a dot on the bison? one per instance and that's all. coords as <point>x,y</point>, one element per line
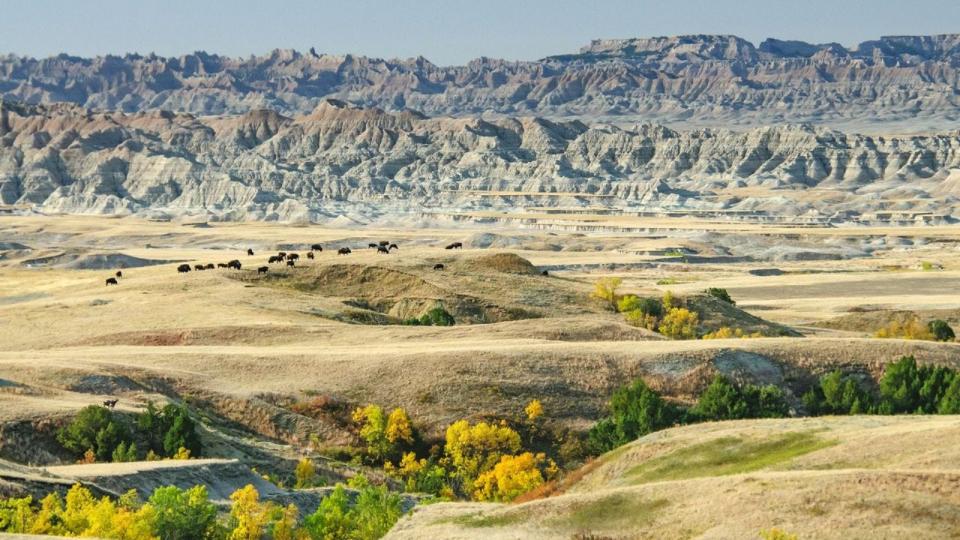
<point>263,270</point>
<point>316,247</point>
<point>222,265</point>
<point>455,245</point>
<point>210,266</point>
<point>438,266</point>
<point>382,250</point>
<point>235,264</point>
<point>544,273</point>
<point>199,267</point>
<point>183,268</point>
<point>344,251</point>
<point>310,255</point>
<point>293,256</point>
<point>110,403</point>
<point>111,281</point>
<point>119,274</point>
<point>384,242</point>
<point>394,246</point>
<point>371,245</point>
<point>274,259</point>
<point>291,262</point>
<point>249,252</point>
<point>282,254</point>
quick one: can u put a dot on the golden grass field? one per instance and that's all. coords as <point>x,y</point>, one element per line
<point>239,344</point>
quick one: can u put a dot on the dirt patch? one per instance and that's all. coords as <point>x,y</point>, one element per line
<point>507,263</point>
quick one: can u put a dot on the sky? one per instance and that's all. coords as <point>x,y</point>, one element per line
<point>446,32</point>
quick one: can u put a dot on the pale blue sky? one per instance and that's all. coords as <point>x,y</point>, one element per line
<point>446,32</point>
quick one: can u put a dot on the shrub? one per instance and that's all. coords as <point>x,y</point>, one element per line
<point>123,452</point>
<point>533,410</point>
<point>941,330</point>
<point>720,294</point>
<point>725,332</point>
<point>837,394</point>
<point>168,430</point>
<point>385,436</point>
<point>679,323</point>
<point>420,476</point>
<point>95,429</point>
<point>908,388</point>
<point>248,516</point>
<point>373,514</point>
<point>437,317</point>
<point>647,306</point>
<point>640,319</point>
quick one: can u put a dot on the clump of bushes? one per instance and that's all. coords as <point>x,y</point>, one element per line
<point>435,317</point>
<point>940,330</point>
<point>636,410</point>
<point>935,330</point>
<point>100,434</point>
<point>720,294</point>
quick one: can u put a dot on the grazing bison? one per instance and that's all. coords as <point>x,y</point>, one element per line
<point>111,281</point>
<point>382,250</point>
<point>394,246</point>
<point>111,403</point>
<point>199,267</point>
<point>371,245</point>
<point>249,252</point>
<point>210,266</point>
<point>282,255</point>
<point>316,247</point>
<point>384,242</point>
<point>235,264</point>
<point>183,268</point>
<point>222,265</point>
<point>344,251</point>
<point>544,273</point>
<point>293,256</point>
<point>273,259</point>
<point>310,255</point>
<point>119,274</point>
<point>455,245</point>
<point>438,266</point>
<point>291,262</point>
<point>263,270</point>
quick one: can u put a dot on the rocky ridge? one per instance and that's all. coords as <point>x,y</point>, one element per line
<point>341,162</point>
<point>910,82</point>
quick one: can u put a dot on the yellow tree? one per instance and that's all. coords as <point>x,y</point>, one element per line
<point>679,323</point>
<point>605,289</point>
<point>305,474</point>
<point>248,515</point>
<point>49,519</point>
<point>475,449</point>
<point>534,410</point>
<point>513,476</point>
<point>399,428</point>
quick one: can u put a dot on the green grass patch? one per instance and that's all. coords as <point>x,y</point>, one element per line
<point>501,519</point>
<point>617,511</point>
<point>727,455</point>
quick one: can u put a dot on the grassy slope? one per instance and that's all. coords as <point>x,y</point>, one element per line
<point>837,477</point>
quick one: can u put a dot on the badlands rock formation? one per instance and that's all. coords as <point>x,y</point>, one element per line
<point>340,160</point>
<point>910,82</point>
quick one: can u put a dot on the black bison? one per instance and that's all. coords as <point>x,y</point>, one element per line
<point>111,281</point>
<point>455,245</point>
<point>384,242</point>
<point>544,273</point>
<point>199,267</point>
<point>316,247</point>
<point>371,245</point>
<point>274,259</point>
<point>210,266</point>
<point>110,403</point>
<point>282,254</point>
<point>394,246</point>
<point>183,268</point>
<point>222,265</point>
<point>293,256</point>
<point>263,270</point>
<point>310,255</point>
<point>119,274</point>
<point>235,264</point>
<point>344,251</point>
<point>382,250</point>
<point>249,252</point>
<point>438,266</point>
<point>291,262</point>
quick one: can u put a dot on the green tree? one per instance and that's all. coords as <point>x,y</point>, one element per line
<point>437,317</point>
<point>94,428</point>
<point>950,401</point>
<point>183,514</point>
<point>941,330</point>
<point>332,520</point>
<point>182,432</point>
<point>124,452</point>
<point>722,401</point>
